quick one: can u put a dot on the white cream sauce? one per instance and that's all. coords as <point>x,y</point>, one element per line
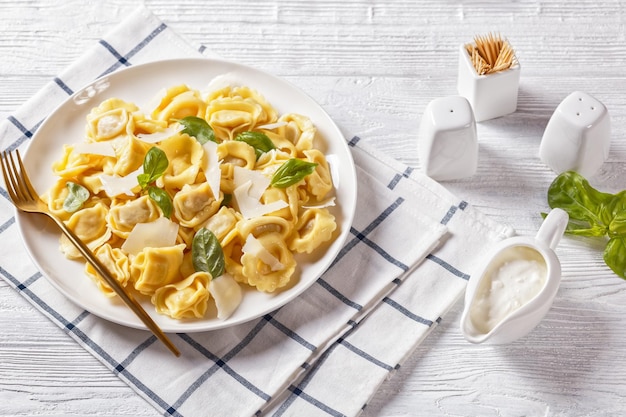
<point>512,280</point>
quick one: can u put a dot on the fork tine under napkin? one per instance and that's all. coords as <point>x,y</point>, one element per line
<point>325,353</point>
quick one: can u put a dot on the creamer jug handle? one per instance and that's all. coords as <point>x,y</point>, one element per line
<point>553,227</point>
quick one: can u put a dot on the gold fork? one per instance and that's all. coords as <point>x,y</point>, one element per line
<point>26,199</point>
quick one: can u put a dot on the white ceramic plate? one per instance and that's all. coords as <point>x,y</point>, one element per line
<point>140,84</point>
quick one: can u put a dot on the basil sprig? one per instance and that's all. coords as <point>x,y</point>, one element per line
<point>76,197</point>
<point>154,165</point>
<point>207,254</point>
<point>291,172</point>
<point>258,140</point>
<point>198,128</point>
<point>593,213</point>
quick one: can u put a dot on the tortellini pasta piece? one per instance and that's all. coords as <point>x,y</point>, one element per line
<point>125,214</point>
<point>314,227</point>
<point>73,164</point>
<point>266,277</point>
<point>320,182</point>
<point>110,119</point>
<point>194,204</point>
<point>116,262</point>
<point>184,299</point>
<point>90,226</point>
<point>223,222</point>
<point>299,130</point>
<point>185,155</point>
<point>236,153</point>
<point>232,246</point>
<point>154,268</point>
<point>54,198</point>
<point>178,103</point>
<point>130,155</point>
<point>265,224</point>
<point>267,113</point>
<point>231,115</point>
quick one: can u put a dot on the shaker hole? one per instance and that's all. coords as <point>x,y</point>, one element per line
<point>593,108</point>
<point>577,113</point>
<point>580,99</point>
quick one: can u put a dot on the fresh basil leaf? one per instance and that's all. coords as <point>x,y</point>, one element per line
<point>291,172</point>
<point>207,254</point>
<point>258,140</point>
<point>143,180</point>
<point>571,192</point>
<point>615,255</point>
<point>198,128</point>
<point>76,197</point>
<point>162,199</point>
<point>154,165</point>
<point>593,213</point>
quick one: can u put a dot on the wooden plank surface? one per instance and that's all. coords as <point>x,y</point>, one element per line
<point>374,66</point>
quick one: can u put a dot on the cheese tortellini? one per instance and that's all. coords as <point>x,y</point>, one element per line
<point>153,181</point>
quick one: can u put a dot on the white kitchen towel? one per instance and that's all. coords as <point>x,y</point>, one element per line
<point>404,265</point>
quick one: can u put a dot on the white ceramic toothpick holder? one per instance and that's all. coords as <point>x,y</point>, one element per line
<point>514,286</point>
<point>491,95</point>
<point>447,141</point>
<point>578,136</point>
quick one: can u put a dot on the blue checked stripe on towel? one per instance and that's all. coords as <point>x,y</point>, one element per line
<point>405,264</point>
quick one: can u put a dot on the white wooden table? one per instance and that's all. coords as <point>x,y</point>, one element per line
<point>374,66</point>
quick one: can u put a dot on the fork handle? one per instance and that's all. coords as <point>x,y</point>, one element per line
<point>128,299</point>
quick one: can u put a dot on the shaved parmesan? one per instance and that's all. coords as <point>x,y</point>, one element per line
<point>250,206</point>
<point>94,148</point>
<point>259,181</point>
<point>255,248</point>
<point>114,185</point>
<point>157,234</point>
<point>211,169</point>
<point>227,295</point>
<point>271,126</point>
<point>159,136</point>
<point>249,188</point>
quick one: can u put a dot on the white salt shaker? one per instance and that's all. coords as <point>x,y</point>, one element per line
<point>447,141</point>
<point>491,95</point>
<point>578,136</point>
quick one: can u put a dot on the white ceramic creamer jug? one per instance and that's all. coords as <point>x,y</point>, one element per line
<point>514,286</point>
